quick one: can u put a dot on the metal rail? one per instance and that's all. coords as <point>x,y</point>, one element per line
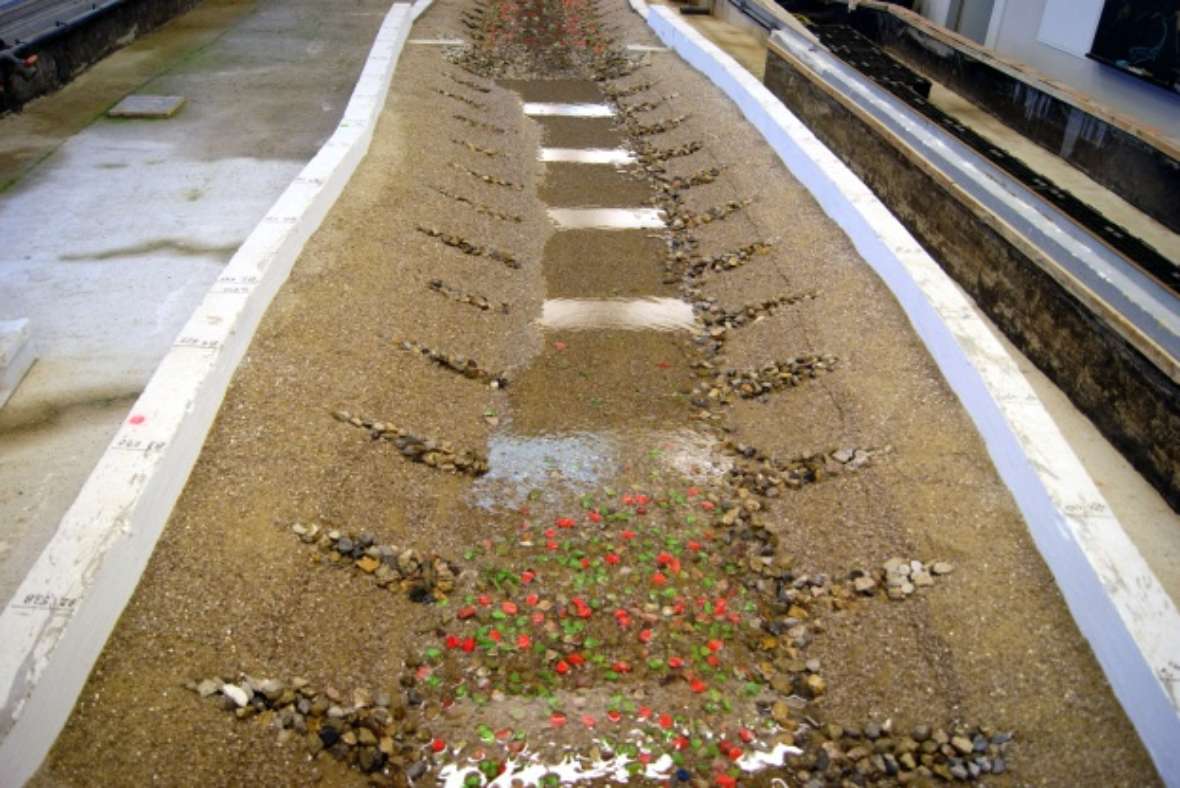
<point>1138,306</point>
<point>26,24</point>
<point>757,14</point>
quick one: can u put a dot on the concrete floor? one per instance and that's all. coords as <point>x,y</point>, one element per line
<point>114,230</point>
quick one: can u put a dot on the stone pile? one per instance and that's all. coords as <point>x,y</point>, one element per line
<point>471,299</point>
<point>543,37</point>
<point>627,110</point>
<point>765,476</point>
<point>716,387</point>
<point>878,752</point>
<point>478,124</point>
<point>370,732</point>
<point>771,377</point>
<point>648,154</point>
<point>435,454</point>
<point>681,183</point>
<point>490,179</point>
<point>467,83</point>
<point>462,99</point>
<point>479,207</point>
<point>656,623</point>
<point>473,249</point>
<point>681,218</point>
<point>491,153</point>
<point>713,316</point>
<point>636,129</point>
<point>467,367</point>
<point>694,267</point>
<point>614,93</point>
<point>423,579</point>
<point>901,578</point>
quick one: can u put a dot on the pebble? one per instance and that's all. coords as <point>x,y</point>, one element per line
<point>432,453</point>
<point>471,299</point>
<point>235,693</point>
<point>751,383</point>
<point>467,247</point>
<point>270,688</point>
<point>696,267</point>
<point>962,744</point>
<point>903,577</point>
<point>408,563</point>
<point>479,124</point>
<point>462,365</point>
<point>647,130</point>
<point>469,102</point>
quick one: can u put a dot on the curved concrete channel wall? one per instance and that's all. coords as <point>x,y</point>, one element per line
<point>56,626</point>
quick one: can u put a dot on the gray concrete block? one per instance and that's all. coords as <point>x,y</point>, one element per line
<point>16,355</point>
<point>150,107</point>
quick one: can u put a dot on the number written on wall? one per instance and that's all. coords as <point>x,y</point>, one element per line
<point>45,601</point>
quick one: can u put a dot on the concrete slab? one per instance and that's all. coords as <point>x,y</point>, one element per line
<point>619,314</point>
<point>607,218</point>
<point>16,355</point>
<point>147,107</point>
<point>581,110</point>
<point>616,156</point>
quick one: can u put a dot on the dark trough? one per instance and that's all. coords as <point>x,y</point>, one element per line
<point>857,50</point>
<point>1132,162</point>
<point>1132,401</point>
